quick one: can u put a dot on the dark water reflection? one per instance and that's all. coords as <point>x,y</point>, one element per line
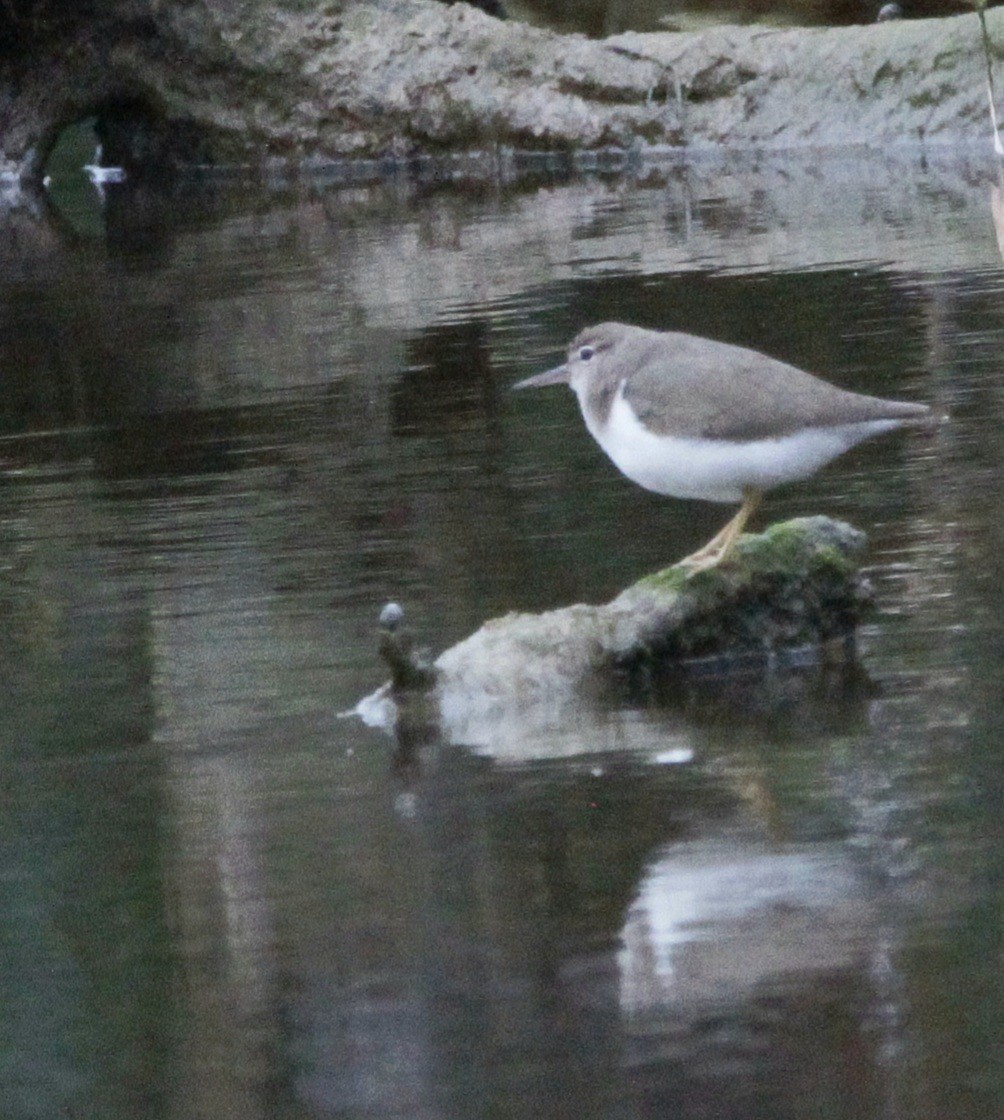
<point>237,424</point>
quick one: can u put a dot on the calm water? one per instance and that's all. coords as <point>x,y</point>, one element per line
<point>234,422</point>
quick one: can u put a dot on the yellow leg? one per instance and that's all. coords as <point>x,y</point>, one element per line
<point>722,543</point>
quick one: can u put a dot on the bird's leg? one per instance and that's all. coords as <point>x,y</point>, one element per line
<point>733,531</point>
<point>722,543</point>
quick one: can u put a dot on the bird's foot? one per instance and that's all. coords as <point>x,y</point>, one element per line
<point>713,553</point>
<point>705,558</point>
<point>720,547</point>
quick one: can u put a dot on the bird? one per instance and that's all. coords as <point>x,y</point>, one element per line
<point>691,417</point>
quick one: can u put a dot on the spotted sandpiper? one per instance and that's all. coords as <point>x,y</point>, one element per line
<point>693,418</point>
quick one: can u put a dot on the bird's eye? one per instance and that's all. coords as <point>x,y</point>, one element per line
<point>586,353</point>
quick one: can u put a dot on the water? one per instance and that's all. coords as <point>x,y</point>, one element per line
<point>235,422</point>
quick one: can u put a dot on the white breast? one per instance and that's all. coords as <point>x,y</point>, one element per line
<point>719,470</point>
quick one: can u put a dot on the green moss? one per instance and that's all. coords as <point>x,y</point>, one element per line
<point>792,548</point>
<point>788,548</point>
<point>780,547</point>
<point>667,579</point>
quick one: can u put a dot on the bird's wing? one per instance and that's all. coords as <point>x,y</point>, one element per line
<point>721,391</point>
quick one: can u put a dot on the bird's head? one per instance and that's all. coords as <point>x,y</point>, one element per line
<point>589,353</point>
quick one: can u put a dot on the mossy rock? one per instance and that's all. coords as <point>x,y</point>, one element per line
<point>797,583</point>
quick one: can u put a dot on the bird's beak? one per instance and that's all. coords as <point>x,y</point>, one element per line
<point>557,376</point>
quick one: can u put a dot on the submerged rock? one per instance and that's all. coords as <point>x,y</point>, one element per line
<point>797,584</point>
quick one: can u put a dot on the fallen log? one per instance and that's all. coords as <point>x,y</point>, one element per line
<point>266,84</point>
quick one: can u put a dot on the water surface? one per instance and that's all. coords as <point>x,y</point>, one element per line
<point>236,421</point>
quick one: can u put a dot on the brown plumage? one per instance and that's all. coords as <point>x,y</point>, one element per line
<point>694,418</point>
